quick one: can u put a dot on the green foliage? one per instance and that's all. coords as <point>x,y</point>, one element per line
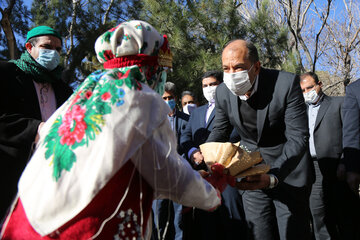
<point>270,39</point>
<point>291,63</point>
<point>197,31</point>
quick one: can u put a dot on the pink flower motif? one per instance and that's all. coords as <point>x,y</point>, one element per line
<point>105,96</point>
<point>73,127</point>
<point>88,94</point>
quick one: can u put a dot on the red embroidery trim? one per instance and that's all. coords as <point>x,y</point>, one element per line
<point>125,61</point>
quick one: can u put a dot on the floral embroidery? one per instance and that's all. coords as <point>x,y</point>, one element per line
<point>106,55</point>
<point>126,37</point>
<point>129,227</point>
<point>106,36</point>
<point>138,26</point>
<point>73,127</point>
<point>84,117</point>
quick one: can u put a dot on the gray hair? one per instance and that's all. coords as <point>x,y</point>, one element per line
<point>170,87</point>
<point>187,93</point>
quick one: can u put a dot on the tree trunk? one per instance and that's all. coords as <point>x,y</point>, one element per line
<point>9,33</point>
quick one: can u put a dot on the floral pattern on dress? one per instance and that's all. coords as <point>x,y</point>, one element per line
<point>129,227</point>
<point>84,117</point>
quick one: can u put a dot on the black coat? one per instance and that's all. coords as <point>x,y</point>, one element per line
<point>282,130</point>
<point>20,116</point>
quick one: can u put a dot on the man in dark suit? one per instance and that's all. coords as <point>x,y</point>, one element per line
<point>165,210</point>
<point>267,109</point>
<point>201,121</point>
<point>31,90</point>
<point>325,144</point>
<point>227,222</point>
<point>351,147</point>
<point>351,135</point>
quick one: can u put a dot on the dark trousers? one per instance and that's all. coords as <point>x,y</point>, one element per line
<point>279,213</point>
<point>334,208</point>
<point>225,223</point>
<point>167,220</point>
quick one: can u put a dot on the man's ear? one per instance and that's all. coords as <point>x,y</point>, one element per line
<point>28,47</point>
<point>257,67</point>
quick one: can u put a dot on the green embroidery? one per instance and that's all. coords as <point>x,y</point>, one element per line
<point>84,117</point>
<point>127,37</point>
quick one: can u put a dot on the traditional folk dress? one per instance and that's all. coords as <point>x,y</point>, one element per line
<point>104,155</point>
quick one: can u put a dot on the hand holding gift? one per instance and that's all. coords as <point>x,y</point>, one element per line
<point>228,161</point>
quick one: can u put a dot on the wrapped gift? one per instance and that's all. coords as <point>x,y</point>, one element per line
<point>237,161</point>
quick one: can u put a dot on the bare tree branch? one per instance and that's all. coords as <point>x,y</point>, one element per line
<point>7,28</point>
<point>107,12</point>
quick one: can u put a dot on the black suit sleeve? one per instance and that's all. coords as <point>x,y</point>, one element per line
<point>186,141</point>
<point>296,132</point>
<point>351,128</point>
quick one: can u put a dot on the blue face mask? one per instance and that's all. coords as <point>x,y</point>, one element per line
<point>48,58</point>
<point>171,103</point>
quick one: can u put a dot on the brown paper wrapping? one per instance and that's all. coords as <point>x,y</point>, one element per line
<point>239,162</point>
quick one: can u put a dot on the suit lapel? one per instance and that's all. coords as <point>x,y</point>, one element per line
<point>201,115</point>
<point>263,104</point>
<point>211,118</point>
<point>235,101</point>
<point>323,108</point>
<point>261,116</point>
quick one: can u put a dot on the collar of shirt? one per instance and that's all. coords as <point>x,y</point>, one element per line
<point>244,97</point>
<point>211,103</point>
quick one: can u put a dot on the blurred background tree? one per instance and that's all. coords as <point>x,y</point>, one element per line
<point>292,35</point>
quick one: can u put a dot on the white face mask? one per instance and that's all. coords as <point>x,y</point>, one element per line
<point>48,58</point>
<point>238,83</point>
<point>188,108</point>
<point>311,97</point>
<point>209,92</point>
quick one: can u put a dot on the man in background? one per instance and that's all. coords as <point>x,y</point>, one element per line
<point>188,102</point>
<point>351,146</point>
<point>325,145</point>
<point>32,90</point>
<point>167,214</point>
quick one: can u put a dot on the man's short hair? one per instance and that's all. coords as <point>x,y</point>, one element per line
<point>252,55</point>
<point>33,40</point>
<point>218,75</point>
<point>170,87</point>
<point>310,74</point>
<point>187,93</point>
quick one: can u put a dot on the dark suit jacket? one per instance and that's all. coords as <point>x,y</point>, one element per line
<point>281,125</point>
<point>180,120</point>
<point>328,128</point>
<point>20,117</point>
<point>197,130</point>
<point>351,127</point>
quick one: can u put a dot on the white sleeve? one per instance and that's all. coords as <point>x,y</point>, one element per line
<point>170,175</point>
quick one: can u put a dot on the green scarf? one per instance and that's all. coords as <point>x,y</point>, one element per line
<point>40,74</point>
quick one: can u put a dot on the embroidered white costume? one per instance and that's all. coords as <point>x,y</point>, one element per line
<point>107,152</point>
